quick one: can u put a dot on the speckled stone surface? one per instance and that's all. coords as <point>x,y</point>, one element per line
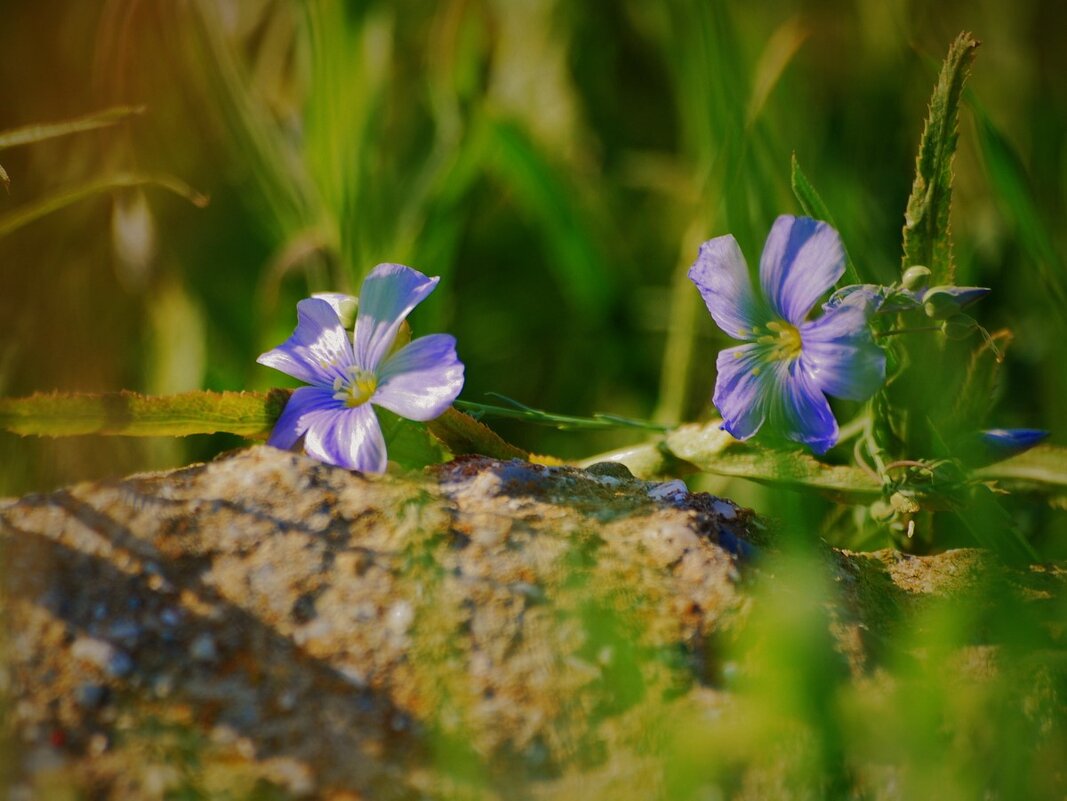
<point>268,621</point>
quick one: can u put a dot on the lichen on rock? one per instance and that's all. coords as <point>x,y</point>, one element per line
<point>267,621</point>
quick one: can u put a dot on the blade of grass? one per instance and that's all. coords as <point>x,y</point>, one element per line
<point>253,139</point>
<point>813,206</point>
<point>31,212</point>
<point>540,189</point>
<point>31,134</point>
<point>993,527</point>
<point>1011,185</point>
<point>349,53</point>
<point>780,49</point>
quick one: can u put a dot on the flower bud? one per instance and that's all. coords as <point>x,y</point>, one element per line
<point>903,503</point>
<point>882,512</point>
<point>916,277</point>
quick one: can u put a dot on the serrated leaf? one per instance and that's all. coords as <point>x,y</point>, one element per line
<point>31,134</point>
<point>462,434</point>
<point>715,451</point>
<point>926,219</point>
<point>249,414</point>
<point>812,204</point>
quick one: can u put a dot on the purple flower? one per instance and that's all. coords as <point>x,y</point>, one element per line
<point>788,366</point>
<point>418,381</point>
<point>1000,443</point>
<point>938,301</point>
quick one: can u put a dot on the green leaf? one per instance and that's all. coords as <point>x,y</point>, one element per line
<point>1043,469</point>
<point>31,134</point>
<point>993,527</point>
<point>65,197</point>
<point>812,204</point>
<point>1011,184</point>
<point>279,192</point>
<point>462,434</point>
<point>249,414</point>
<point>926,219</point>
<point>541,191</point>
<point>715,451</point>
<point>564,422</point>
<point>975,398</point>
<point>409,443</point>
<point>350,65</point>
<point>780,49</point>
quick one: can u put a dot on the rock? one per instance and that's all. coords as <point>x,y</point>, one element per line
<point>271,621</point>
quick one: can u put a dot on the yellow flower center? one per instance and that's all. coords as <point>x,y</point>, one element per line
<point>784,339</point>
<point>359,388</point>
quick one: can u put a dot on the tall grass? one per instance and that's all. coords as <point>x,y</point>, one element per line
<point>558,163</point>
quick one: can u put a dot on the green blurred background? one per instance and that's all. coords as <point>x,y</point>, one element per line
<point>557,163</point>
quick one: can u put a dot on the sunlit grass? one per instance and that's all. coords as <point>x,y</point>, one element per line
<point>560,177</point>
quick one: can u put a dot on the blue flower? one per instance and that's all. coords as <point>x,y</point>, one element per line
<point>347,375</point>
<point>938,301</point>
<point>1001,443</point>
<point>789,364</point>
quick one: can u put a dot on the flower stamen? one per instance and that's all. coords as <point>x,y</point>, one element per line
<point>359,389</point>
<point>784,339</point>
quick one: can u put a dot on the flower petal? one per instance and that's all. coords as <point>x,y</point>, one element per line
<point>421,379</point>
<point>1004,442</point>
<point>388,295</point>
<point>318,351</point>
<point>347,437</point>
<point>1015,438</point>
<point>295,417</point>
<point>942,302</point>
<point>800,411</point>
<point>344,305</point>
<point>801,260</point>
<point>721,277</point>
<point>839,355</point>
<point>742,387</point>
